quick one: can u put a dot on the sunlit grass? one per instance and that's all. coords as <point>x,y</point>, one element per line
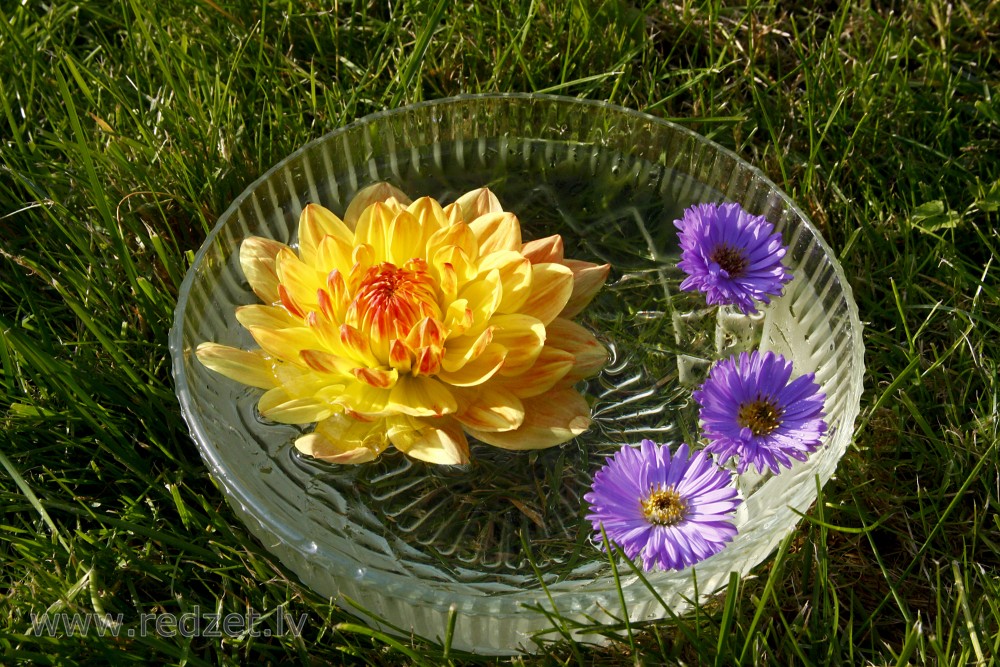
<point>127,128</point>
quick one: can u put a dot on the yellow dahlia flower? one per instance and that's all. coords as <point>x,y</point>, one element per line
<point>413,325</point>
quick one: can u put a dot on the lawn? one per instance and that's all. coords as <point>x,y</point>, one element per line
<point>127,128</point>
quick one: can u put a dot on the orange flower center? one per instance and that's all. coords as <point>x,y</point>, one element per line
<point>664,507</point>
<point>390,300</point>
<point>761,416</point>
<point>732,260</point>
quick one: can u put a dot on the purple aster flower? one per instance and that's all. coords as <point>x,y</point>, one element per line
<point>675,511</point>
<point>731,256</point>
<point>750,410</point>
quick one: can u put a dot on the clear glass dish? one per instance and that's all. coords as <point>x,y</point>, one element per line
<point>410,542</point>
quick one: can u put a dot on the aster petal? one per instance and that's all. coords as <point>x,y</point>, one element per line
<point>588,278</point>
<point>257,261</point>
<point>343,439</point>
<point>249,368</point>
<point>551,287</point>
<point>561,417</point>
<point>496,231</point>
<point>365,197</point>
<point>495,409</point>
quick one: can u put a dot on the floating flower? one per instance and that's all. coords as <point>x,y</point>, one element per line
<point>673,511</point>
<point>731,256</point>
<point>413,325</point>
<point>750,410</point>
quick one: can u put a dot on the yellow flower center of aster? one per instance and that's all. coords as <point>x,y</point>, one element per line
<point>761,416</point>
<point>389,300</point>
<point>732,260</point>
<point>664,507</point>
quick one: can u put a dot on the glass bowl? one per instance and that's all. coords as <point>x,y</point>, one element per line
<point>501,543</point>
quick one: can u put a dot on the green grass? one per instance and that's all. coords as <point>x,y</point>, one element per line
<point>126,129</point>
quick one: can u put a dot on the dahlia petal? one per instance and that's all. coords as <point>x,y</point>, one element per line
<point>277,405</point>
<point>551,288</point>
<point>364,399</point>
<point>365,197</point>
<point>588,278</point>
<point>478,370</point>
<point>373,230</point>
<point>324,362</point>
<point>356,346</point>
<point>406,238</point>
<point>478,202</point>
<point>458,318</point>
<point>323,449</point>
<point>376,377</point>
<point>316,223</point>
<point>563,415</point>
<point>460,351</point>
<point>299,279</point>
<point>483,296</point>
<point>399,356</point>
<point>539,251</point>
<point>458,235</point>
<point>442,443</point>
<point>271,317</point>
<point>551,366</point>
<point>523,336</point>
<point>458,263</point>
<point>494,410</point>
<point>496,231</point>
<point>334,253</point>
<point>427,361</point>
<point>250,368</point>
<point>284,344</point>
<point>421,397</point>
<point>515,276</point>
<point>453,214</point>
<point>343,439</point>
<point>429,215</point>
<point>257,261</point>
<point>428,332</point>
<point>589,354</point>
